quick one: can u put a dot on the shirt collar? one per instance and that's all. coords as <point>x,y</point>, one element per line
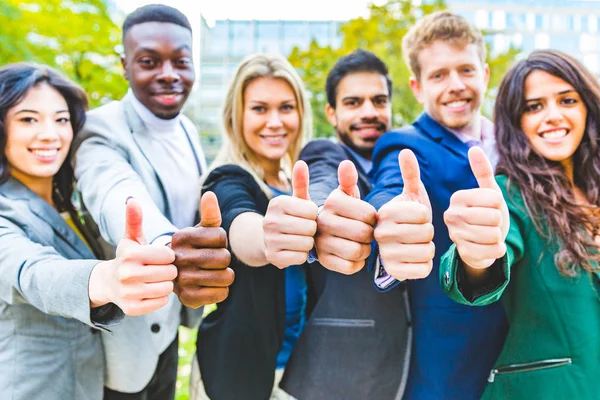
<point>151,121</point>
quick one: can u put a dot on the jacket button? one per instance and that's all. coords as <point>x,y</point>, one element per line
<point>155,328</point>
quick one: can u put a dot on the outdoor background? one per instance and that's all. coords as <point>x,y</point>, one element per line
<point>82,38</point>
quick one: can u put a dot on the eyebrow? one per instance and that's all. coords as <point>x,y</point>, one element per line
<point>150,50</point>
<point>37,112</point>
<point>559,93</point>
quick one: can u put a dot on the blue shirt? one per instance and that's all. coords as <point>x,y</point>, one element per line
<point>295,305</point>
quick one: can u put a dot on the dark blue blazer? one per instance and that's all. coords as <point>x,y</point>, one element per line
<point>454,346</point>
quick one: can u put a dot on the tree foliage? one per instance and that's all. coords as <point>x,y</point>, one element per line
<point>77,37</point>
<point>381,32</point>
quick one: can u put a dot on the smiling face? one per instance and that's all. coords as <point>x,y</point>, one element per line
<point>554,118</point>
<point>39,134</point>
<point>362,111</point>
<point>158,65</point>
<point>452,83</point>
<point>271,120</point>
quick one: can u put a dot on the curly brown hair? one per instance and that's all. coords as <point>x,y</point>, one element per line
<point>547,191</point>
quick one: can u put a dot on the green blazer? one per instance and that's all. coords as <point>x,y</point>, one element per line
<point>552,350</point>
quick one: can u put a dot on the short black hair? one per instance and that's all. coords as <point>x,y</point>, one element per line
<point>15,81</point>
<point>155,13</point>
<point>358,61</point>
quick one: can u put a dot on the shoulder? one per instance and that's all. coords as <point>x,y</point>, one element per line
<point>513,195</point>
<point>108,120</point>
<point>229,174</point>
<point>189,124</point>
<point>322,145</point>
<point>113,108</point>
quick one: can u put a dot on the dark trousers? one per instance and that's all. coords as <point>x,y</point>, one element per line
<point>161,386</point>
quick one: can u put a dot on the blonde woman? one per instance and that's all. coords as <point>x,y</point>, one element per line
<point>240,345</point>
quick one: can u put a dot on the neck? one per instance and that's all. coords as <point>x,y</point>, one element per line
<point>473,129</point>
<point>271,169</point>
<point>40,186</point>
<point>568,166</point>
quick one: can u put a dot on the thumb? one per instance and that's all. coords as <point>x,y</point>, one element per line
<point>348,178</point>
<point>482,169</point>
<point>300,179</point>
<point>210,214</point>
<point>411,175</point>
<point>133,221</point>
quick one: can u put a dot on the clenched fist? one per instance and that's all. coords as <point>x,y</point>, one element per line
<point>202,258</point>
<point>478,219</point>
<point>404,230</point>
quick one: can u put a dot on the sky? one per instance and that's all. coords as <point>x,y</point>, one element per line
<point>262,9</point>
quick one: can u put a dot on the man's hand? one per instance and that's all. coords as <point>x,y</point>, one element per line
<point>404,230</point>
<point>478,219</point>
<point>289,224</point>
<point>140,279</point>
<point>345,225</point>
<point>202,258</point>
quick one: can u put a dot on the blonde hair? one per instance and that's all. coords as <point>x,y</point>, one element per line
<point>444,26</point>
<point>235,150</point>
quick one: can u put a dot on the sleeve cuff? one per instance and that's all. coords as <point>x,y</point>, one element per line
<point>105,316</point>
<point>453,280</point>
<point>382,280</point>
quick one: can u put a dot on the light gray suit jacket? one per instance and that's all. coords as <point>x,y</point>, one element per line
<point>47,348</point>
<point>113,160</point>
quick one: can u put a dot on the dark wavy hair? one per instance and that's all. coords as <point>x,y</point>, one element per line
<point>547,191</point>
<point>15,81</point>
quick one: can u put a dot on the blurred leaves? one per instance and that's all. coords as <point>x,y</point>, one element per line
<point>77,37</point>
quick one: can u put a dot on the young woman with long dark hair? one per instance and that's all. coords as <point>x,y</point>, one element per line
<point>531,237</point>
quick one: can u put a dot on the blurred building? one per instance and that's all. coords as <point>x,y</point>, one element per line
<point>572,26</point>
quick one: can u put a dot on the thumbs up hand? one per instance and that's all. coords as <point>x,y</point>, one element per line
<point>202,258</point>
<point>404,230</point>
<point>345,225</point>
<point>289,225</point>
<point>478,219</point>
<point>140,279</point>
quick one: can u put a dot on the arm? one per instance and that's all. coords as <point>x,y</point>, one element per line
<point>238,197</point>
<point>37,275</point>
<point>106,180</point>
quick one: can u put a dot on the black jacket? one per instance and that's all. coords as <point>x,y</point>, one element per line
<point>356,342</point>
<point>238,343</point>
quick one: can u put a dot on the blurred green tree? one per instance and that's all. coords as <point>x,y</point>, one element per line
<point>77,37</point>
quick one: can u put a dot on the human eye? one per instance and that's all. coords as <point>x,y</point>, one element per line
<point>147,62</point>
<point>532,107</point>
<point>288,107</point>
<point>63,120</point>
<point>569,100</point>
<point>28,120</point>
<point>182,62</point>
<point>259,109</point>
<point>382,101</point>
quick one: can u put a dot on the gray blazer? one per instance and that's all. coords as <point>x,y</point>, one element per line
<point>47,348</point>
<point>113,159</point>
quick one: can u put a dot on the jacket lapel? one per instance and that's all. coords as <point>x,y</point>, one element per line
<point>16,190</point>
<point>142,140</point>
<point>431,128</point>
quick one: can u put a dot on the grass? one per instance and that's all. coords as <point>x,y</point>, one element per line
<point>187,348</point>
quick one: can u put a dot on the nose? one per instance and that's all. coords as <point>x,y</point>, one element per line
<point>368,110</point>
<point>49,131</point>
<point>168,74</point>
<point>554,114</point>
<point>274,121</point>
<point>455,82</point>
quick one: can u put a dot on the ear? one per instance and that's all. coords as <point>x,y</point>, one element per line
<point>415,86</point>
<point>486,74</point>
<point>124,65</point>
<point>330,112</point>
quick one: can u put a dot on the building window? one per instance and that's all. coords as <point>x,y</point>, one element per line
<point>593,23</point>
<point>591,61</point>
<point>542,41</point>
<point>530,21</point>
<point>481,19</point>
<point>498,19</point>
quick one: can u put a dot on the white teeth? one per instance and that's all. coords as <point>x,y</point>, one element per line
<point>457,104</point>
<point>45,153</point>
<point>555,134</point>
<point>168,96</point>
